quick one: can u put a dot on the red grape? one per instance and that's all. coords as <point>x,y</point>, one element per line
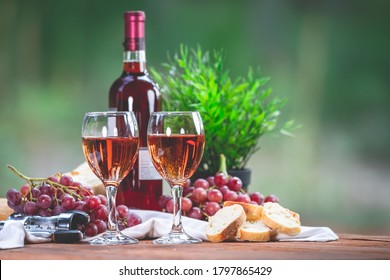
<point>214,195</point>
<point>81,205</point>
<point>121,225</point>
<point>224,189</point>
<point>199,195</point>
<point>101,213</point>
<point>257,197</point>
<point>132,219</point>
<point>85,191</point>
<point>234,184</point>
<point>25,189</point>
<point>220,179</point>
<point>14,196</point>
<point>66,180</point>
<point>91,216</point>
<point>186,204</point>
<point>31,208</point>
<point>35,192</point>
<point>162,200</point>
<point>103,199</point>
<point>94,202</point>
<point>44,201</point>
<point>211,208</point>
<point>169,206</point>
<point>210,179</point>
<point>201,183</point>
<point>195,213</point>
<point>188,191</point>
<point>243,198</point>
<point>271,198</point>
<point>230,196</point>
<point>17,208</point>
<point>77,184</point>
<point>68,202</point>
<point>53,179</point>
<point>91,229</point>
<point>47,189</point>
<point>101,226</point>
<point>122,211</point>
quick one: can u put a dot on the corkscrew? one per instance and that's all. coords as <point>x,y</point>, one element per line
<point>61,229</point>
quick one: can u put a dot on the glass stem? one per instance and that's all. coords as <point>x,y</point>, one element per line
<point>112,224</point>
<point>177,192</point>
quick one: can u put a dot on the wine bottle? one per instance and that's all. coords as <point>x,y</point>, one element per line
<point>135,91</point>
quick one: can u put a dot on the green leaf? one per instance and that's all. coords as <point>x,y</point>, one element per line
<point>236,112</point>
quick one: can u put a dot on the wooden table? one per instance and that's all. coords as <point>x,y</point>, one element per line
<point>348,247</point>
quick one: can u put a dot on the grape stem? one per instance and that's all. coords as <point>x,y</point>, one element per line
<point>43,180</point>
<point>222,166</point>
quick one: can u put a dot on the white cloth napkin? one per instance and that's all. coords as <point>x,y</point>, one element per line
<point>155,224</point>
<point>14,235</point>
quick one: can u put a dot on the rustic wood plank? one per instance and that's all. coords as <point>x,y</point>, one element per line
<point>349,246</point>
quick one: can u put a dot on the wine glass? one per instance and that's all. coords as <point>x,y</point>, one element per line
<point>110,143</point>
<point>175,143</point>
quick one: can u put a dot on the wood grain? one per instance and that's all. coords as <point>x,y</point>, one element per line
<point>349,246</point>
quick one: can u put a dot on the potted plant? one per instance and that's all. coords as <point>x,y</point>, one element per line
<point>235,112</point>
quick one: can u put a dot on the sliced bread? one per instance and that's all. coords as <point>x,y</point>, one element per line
<point>254,231</point>
<point>280,219</point>
<point>5,210</point>
<point>225,223</point>
<point>253,212</point>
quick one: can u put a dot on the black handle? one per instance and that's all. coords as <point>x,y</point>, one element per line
<point>72,219</point>
<point>67,236</point>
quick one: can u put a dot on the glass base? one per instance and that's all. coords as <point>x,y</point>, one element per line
<point>113,238</point>
<point>177,238</point>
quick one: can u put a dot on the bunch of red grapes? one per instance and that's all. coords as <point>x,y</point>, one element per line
<point>206,196</point>
<point>54,195</point>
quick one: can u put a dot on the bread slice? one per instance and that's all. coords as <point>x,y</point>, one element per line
<point>225,223</point>
<point>5,210</point>
<point>280,219</point>
<point>254,231</point>
<point>253,212</point>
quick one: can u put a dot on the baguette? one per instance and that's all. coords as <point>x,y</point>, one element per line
<point>254,231</point>
<point>225,223</point>
<point>253,212</point>
<point>280,219</point>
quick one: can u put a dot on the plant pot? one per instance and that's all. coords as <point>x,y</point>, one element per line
<point>243,174</point>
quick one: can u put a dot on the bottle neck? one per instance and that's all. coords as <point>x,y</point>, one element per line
<point>134,62</point>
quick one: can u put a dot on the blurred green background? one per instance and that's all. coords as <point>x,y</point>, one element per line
<point>329,58</point>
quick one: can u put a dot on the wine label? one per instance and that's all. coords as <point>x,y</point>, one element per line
<point>146,167</point>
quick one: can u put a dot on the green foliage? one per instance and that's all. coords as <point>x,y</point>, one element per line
<point>235,113</point>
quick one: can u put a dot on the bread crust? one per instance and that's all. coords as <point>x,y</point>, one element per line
<point>256,232</point>
<point>253,212</point>
<point>228,231</point>
<point>280,219</point>
<point>5,210</point>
